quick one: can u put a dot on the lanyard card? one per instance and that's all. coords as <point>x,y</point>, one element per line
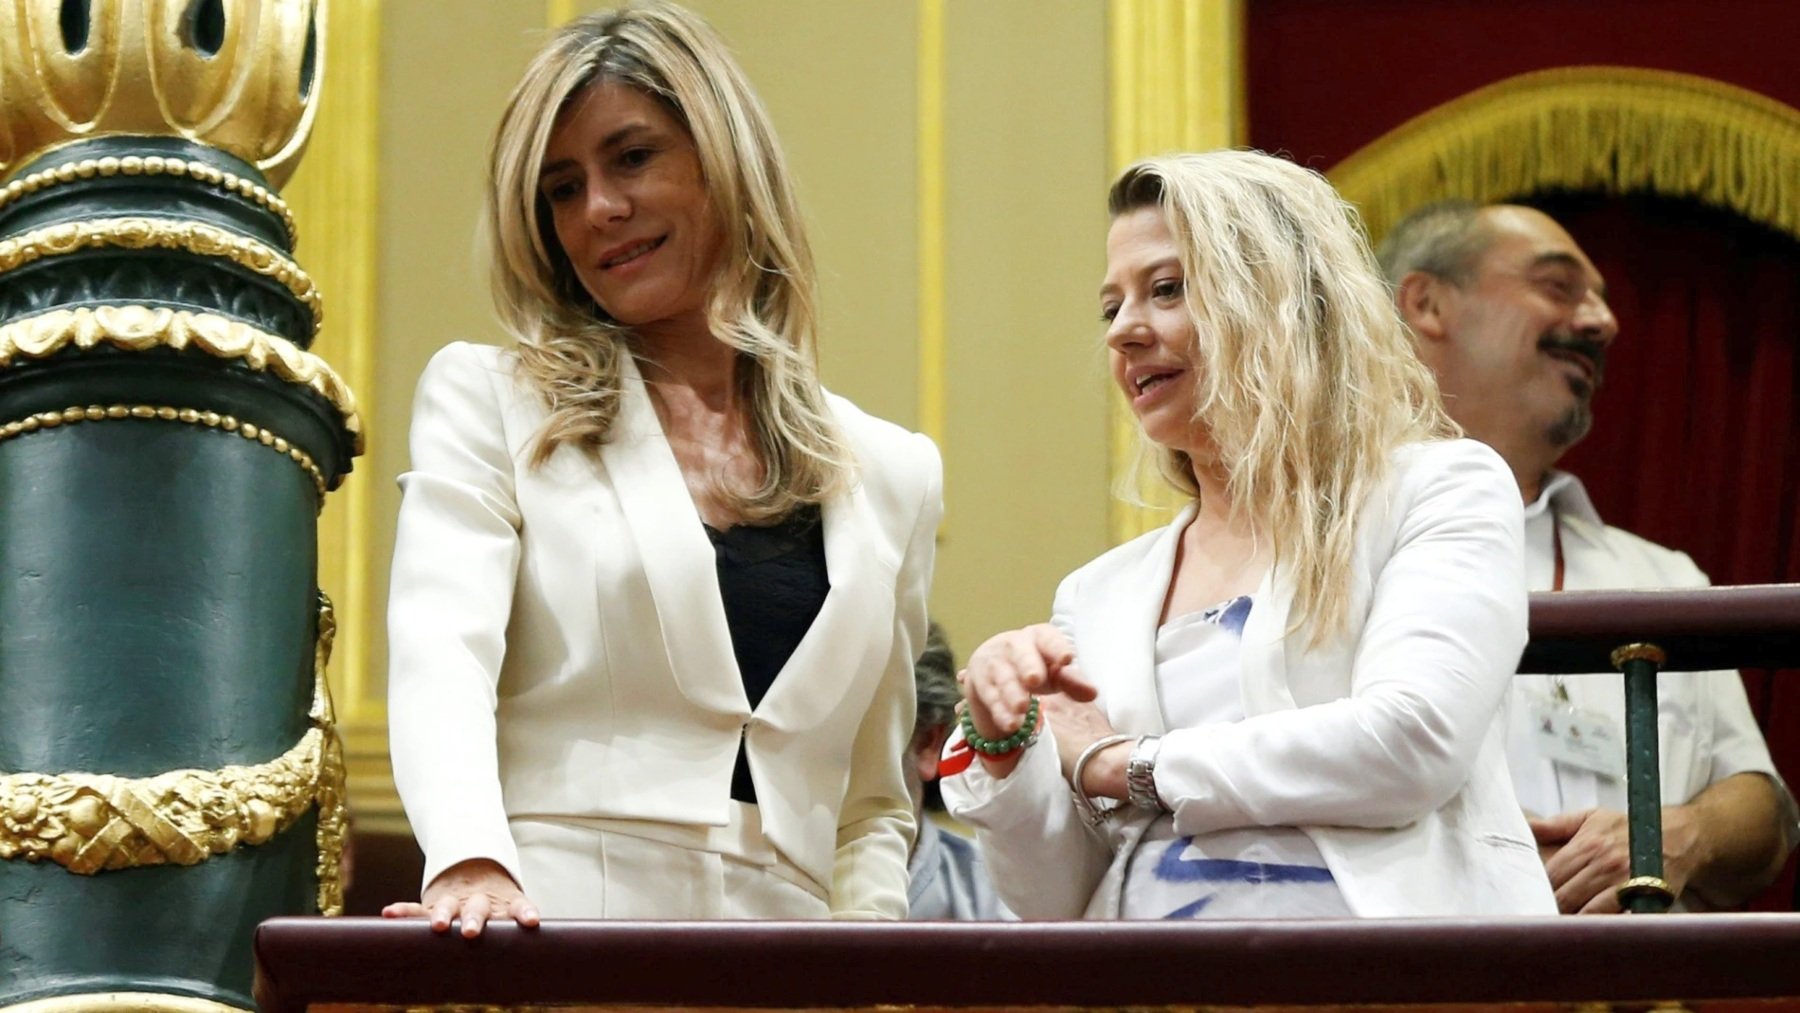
<point>1581,738</point>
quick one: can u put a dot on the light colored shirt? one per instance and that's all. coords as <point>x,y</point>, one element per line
<point>1706,730</point>
<point>949,881</point>
<point>1242,872</point>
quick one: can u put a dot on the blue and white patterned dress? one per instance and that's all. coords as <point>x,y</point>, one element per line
<point>1248,872</point>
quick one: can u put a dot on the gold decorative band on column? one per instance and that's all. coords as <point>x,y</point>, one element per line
<point>192,416</point>
<point>1645,886</point>
<point>1639,652</point>
<point>153,165</point>
<point>328,790</point>
<point>139,328</point>
<point>89,823</point>
<point>122,1002</point>
<point>197,238</point>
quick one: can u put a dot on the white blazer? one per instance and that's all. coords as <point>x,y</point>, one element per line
<point>558,645</point>
<point>1381,744</point>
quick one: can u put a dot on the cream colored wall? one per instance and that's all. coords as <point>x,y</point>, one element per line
<point>1025,446</point>
<point>1022,414</point>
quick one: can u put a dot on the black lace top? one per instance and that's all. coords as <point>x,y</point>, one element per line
<point>773,582</point>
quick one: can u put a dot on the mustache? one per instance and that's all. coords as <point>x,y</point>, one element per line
<point>1568,341</point>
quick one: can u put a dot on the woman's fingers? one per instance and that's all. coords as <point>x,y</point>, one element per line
<point>1052,645</point>
<point>1071,683</point>
<point>1028,666</point>
<point>474,915</point>
<point>1009,669</point>
<point>443,912</point>
<point>523,911</point>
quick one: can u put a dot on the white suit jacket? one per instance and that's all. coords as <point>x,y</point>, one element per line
<point>559,646</point>
<point>1381,744</point>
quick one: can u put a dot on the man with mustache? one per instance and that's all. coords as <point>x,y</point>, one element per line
<point>1512,316</point>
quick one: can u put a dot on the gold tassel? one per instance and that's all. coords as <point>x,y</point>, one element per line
<point>1611,129</point>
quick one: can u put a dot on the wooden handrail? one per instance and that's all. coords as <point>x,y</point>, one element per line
<point>369,963</point>
<point>1752,626</point>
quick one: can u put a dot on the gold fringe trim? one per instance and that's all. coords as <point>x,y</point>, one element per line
<point>198,238</point>
<point>192,416</point>
<point>89,823</point>
<point>1612,129</point>
<point>138,328</point>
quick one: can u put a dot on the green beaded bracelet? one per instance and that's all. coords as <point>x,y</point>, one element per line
<point>1025,736</point>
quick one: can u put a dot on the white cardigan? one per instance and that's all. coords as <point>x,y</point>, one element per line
<point>558,645</point>
<point>1381,744</point>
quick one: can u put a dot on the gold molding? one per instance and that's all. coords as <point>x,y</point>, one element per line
<point>1614,129</point>
<point>135,74</point>
<point>931,171</point>
<point>122,1002</point>
<point>333,829</point>
<point>89,823</point>
<point>153,165</point>
<point>197,238</point>
<point>335,193</point>
<point>192,416</point>
<point>1638,652</point>
<point>138,328</point>
<point>1176,83</point>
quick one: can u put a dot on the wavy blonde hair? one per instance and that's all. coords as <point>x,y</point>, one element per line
<point>1307,379</point>
<point>763,303</point>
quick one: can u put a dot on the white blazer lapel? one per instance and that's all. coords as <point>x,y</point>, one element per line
<point>1123,642</point>
<point>679,563</point>
<point>854,629</point>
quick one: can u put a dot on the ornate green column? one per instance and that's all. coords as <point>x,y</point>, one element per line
<point>169,775</point>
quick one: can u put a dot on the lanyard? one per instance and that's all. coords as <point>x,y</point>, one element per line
<point>1556,584</point>
<point>1556,548</point>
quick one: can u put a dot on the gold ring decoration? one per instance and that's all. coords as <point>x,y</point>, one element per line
<point>1639,652</point>
<point>192,416</point>
<point>122,1002</point>
<point>139,328</point>
<point>1645,886</point>
<point>197,238</point>
<point>89,823</point>
<point>154,165</point>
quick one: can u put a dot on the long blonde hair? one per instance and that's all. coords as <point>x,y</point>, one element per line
<point>764,302</point>
<point>1307,379</point>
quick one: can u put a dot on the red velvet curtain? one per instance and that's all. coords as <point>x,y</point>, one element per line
<point>1696,442</point>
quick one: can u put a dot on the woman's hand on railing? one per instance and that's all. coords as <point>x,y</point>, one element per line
<point>474,891</point>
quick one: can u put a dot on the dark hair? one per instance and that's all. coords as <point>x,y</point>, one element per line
<point>1443,238</point>
<point>934,677</point>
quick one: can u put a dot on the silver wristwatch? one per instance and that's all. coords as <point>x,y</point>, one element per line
<point>1140,774</point>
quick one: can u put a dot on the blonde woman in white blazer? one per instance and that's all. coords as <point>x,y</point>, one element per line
<point>656,595</point>
<point>1283,704</point>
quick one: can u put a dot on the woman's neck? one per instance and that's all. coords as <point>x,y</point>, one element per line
<point>693,385</point>
<point>1215,496</point>
<point>696,368</point>
<point>1218,555</point>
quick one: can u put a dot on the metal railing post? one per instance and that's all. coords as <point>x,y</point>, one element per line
<point>1646,892</point>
